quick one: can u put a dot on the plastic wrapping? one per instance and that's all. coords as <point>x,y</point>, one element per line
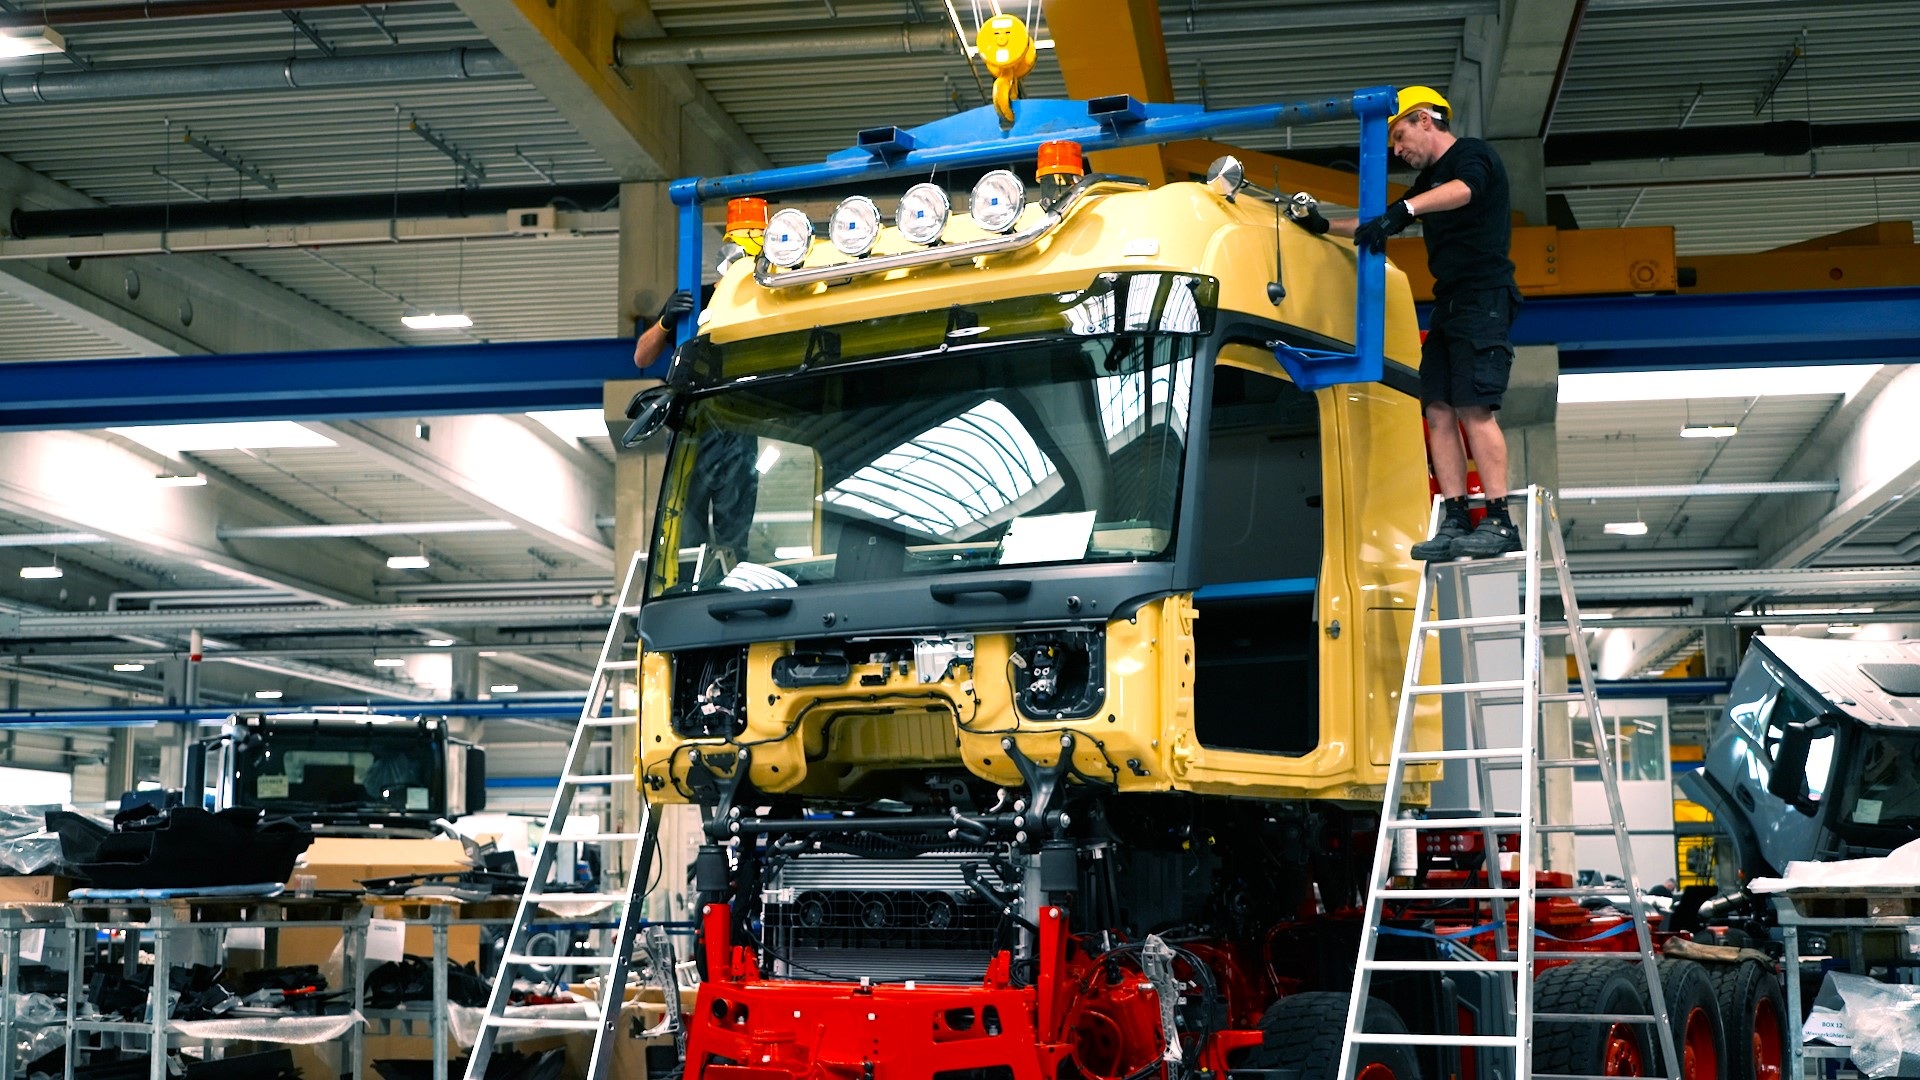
<point>295,1030</point>
<point>464,1022</point>
<point>1882,1022</point>
<point>26,846</point>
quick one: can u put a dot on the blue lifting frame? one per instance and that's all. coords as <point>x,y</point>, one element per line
<point>976,138</point>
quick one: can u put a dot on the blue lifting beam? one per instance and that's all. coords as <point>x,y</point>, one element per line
<point>976,138</point>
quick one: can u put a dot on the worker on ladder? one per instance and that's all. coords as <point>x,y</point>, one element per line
<point>1462,202</point>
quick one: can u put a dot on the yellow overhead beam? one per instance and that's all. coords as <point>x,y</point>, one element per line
<point>1113,47</point>
<point>1881,255</point>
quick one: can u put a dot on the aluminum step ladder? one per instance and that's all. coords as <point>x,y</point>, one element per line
<point>1477,583</point>
<point>600,716</point>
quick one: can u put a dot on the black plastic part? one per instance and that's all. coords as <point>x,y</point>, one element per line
<point>1059,867</point>
<point>710,869</point>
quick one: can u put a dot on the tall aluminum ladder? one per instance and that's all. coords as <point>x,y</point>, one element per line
<point>1516,949</point>
<point>600,716</point>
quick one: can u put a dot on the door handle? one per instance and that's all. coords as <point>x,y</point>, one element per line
<point>1008,588</point>
<point>770,606</point>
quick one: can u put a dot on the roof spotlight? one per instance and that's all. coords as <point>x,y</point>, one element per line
<point>922,216</point>
<point>997,200</point>
<point>855,225</point>
<point>789,235</point>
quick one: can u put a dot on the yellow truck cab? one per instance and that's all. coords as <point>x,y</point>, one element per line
<point>1021,626</point>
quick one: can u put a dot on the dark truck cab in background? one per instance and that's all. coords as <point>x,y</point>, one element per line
<point>351,773</point>
<point>1816,757</point>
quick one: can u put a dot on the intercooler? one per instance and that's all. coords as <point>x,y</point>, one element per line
<point>838,916</point>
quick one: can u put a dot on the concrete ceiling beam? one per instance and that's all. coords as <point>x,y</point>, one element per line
<point>1867,443</point>
<point>651,123</point>
<point>502,468</point>
<point>77,481</point>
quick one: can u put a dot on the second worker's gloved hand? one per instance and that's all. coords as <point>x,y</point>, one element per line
<point>1373,235</point>
<point>674,309</point>
<point>1304,210</point>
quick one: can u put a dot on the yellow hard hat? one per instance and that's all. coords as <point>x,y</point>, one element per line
<point>1413,97</point>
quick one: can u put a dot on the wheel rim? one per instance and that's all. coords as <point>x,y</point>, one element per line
<point>1624,1057</point>
<point>1374,1070</point>
<point>1768,1054</point>
<point>1698,1061</point>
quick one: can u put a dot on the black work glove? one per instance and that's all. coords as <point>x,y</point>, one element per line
<point>674,309</point>
<point>1303,210</point>
<point>1373,235</point>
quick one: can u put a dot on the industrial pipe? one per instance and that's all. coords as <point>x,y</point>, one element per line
<point>253,76</point>
<point>304,210</point>
<point>111,13</point>
<point>902,40</point>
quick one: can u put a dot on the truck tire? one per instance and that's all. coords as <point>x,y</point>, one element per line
<point>1699,1034</point>
<point>1304,1032</point>
<point>1753,1009</point>
<point>1580,1048</point>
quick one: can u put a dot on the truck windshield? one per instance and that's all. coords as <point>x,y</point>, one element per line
<point>1050,448</point>
<point>1884,794</point>
<point>369,768</point>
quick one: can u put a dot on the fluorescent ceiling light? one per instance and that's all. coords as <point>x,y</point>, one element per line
<point>1784,611</point>
<point>267,695</point>
<point>505,688</point>
<point>1709,431</point>
<point>1725,383</point>
<point>452,321</point>
<point>1844,628</point>
<point>767,457</point>
<point>129,667</point>
<point>793,553</point>
<point>189,480</point>
<point>242,435</point>
<point>41,572</point>
<point>439,642</point>
<point>389,661</point>
<point>1625,528</point>
<point>49,539</point>
<point>1593,616</point>
<point>577,424</point>
<point>408,562</point>
<point>31,41</point>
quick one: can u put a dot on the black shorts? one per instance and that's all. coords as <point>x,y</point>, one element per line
<point>1467,356</point>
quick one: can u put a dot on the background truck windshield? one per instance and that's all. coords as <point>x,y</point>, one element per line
<point>392,770</point>
<point>1050,449</point>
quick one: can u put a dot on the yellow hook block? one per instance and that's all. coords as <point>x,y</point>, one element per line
<point>1008,51</point>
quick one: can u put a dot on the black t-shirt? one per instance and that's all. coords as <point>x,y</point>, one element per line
<point>1467,247</point>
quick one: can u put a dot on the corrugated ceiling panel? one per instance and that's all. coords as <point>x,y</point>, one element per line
<point>31,333</point>
<point>521,289</point>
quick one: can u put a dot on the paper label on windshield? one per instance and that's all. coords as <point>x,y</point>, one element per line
<point>1867,812</point>
<point>416,798</point>
<point>1047,538</point>
<point>270,787</point>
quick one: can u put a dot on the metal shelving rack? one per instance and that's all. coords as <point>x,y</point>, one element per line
<point>16,922</point>
<point>442,918</point>
<point>163,921</point>
<point>1856,929</point>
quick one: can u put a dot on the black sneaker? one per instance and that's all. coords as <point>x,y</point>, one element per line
<point>1441,545</point>
<point>1489,539</point>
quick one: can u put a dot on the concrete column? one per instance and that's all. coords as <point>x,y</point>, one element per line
<point>1526,164</point>
<point>1722,651</point>
<point>1533,457</point>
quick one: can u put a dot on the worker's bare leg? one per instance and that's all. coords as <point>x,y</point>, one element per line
<point>1443,446</point>
<point>1495,535</point>
<point>1449,458</point>
<point>1489,447</point>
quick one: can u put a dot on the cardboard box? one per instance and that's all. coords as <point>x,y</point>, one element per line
<point>340,862</point>
<point>36,888</point>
